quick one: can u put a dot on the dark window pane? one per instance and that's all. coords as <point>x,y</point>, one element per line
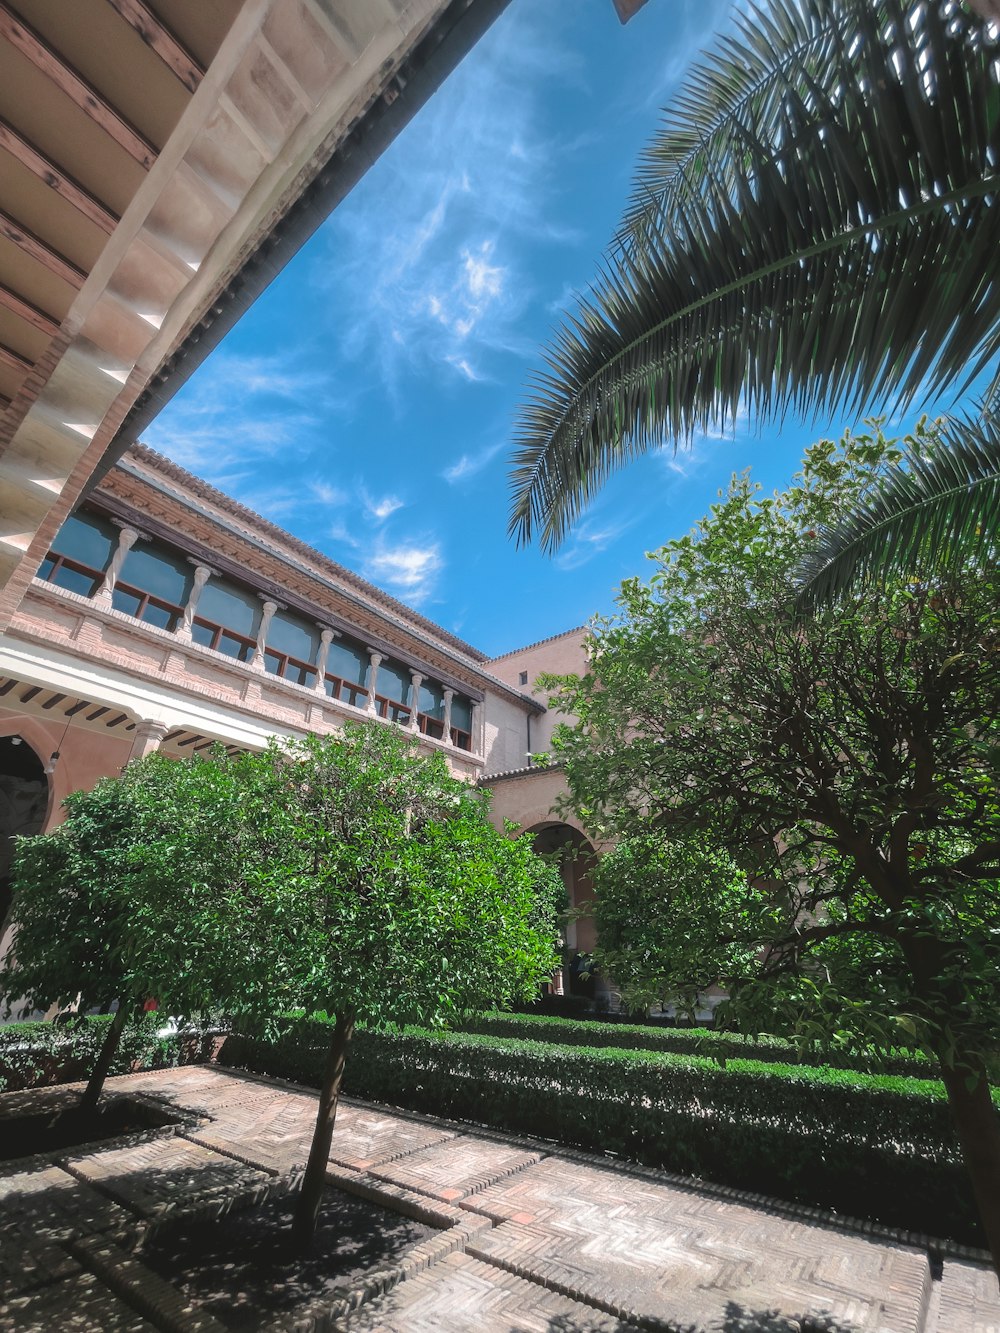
<point>227,604</point>
<point>157,570</point>
<point>88,538</point>
<point>72,579</point>
<point>235,647</point>
<point>294,636</point>
<point>348,660</point>
<point>45,568</point>
<point>273,664</point>
<point>159,615</point>
<point>301,675</point>
<point>461,714</point>
<point>393,681</point>
<point>432,700</point>
<point>202,634</point>
<point>125,601</point>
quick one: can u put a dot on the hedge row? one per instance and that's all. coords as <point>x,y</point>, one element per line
<point>33,1055</point>
<point>691,1041</point>
<point>872,1147</point>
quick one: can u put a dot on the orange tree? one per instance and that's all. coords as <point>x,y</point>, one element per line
<point>846,760</point>
<point>142,892</point>
<point>390,898</point>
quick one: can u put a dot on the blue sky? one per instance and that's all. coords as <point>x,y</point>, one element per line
<point>366,402</point>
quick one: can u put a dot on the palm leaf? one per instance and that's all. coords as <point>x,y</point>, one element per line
<point>938,511</point>
<point>844,252</point>
<point>742,83</point>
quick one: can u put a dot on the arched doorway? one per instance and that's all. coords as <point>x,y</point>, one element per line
<point>576,858</point>
<point>24,802</point>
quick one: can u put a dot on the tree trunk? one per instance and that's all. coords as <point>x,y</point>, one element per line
<point>978,1126</point>
<point>307,1207</point>
<point>92,1092</point>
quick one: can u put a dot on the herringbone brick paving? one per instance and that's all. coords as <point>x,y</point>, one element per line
<point>560,1242</point>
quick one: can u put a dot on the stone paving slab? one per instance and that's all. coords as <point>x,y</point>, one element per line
<point>81,1303</point>
<point>457,1168</point>
<point>151,1178</point>
<point>969,1302</point>
<point>530,1238</point>
<point>633,1245</point>
<point>365,1137</point>
<point>46,1203</point>
<point>461,1294</point>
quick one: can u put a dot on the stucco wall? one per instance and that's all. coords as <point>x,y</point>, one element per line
<point>562,655</point>
<point>506,733</point>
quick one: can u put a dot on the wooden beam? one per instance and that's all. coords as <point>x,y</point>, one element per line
<point>10,359</point>
<point>158,37</point>
<point>24,39</point>
<point>65,186</point>
<point>33,246</point>
<point>23,309</point>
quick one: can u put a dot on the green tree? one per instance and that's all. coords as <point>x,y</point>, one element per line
<point>663,913</point>
<point>392,899</point>
<point>813,225</point>
<point>847,761</point>
<point>140,893</point>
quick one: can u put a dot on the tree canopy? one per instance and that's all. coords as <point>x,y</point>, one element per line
<point>846,760</point>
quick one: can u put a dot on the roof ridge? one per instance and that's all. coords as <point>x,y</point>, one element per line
<point>577,629</point>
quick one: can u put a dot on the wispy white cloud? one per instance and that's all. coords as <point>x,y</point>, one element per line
<point>326,494</point>
<point>589,540</point>
<point>380,508</point>
<point>409,570</point>
<point>469,464</point>
<point>443,277</point>
<point>237,413</point>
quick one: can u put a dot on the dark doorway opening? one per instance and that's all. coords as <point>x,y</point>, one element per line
<point>24,799</point>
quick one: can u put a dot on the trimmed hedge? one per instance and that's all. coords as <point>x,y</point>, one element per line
<point>33,1055</point>
<point>720,1046</point>
<point>868,1146</point>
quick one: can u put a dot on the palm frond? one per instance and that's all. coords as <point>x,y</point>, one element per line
<point>938,511</point>
<point>741,83</point>
<point>846,252</point>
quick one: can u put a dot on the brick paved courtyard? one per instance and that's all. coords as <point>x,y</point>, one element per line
<point>524,1237</point>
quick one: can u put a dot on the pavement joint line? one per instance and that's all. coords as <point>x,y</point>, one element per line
<point>695,1185</point>
<point>141,1289</point>
<point>479,1184</point>
<point>216,1146</point>
<point>629,1317</point>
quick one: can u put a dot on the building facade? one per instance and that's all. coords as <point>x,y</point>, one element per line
<point>167,616</point>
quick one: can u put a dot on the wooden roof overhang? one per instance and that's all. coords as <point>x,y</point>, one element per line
<point>150,152</point>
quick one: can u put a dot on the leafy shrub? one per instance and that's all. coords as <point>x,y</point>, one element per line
<point>719,1046</point>
<point>869,1146</point>
<point>33,1055</point>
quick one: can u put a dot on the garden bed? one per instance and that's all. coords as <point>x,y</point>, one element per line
<point>243,1269</point>
<point>68,1127</point>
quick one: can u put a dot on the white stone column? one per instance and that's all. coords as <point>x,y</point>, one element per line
<point>202,573</point>
<point>477,739</point>
<point>375,659</point>
<point>322,653</point>
<point>257,661</point>
<point>127,538</point>
<point>417,678</point>
<point>446,733</point>
<point>147,738</point>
